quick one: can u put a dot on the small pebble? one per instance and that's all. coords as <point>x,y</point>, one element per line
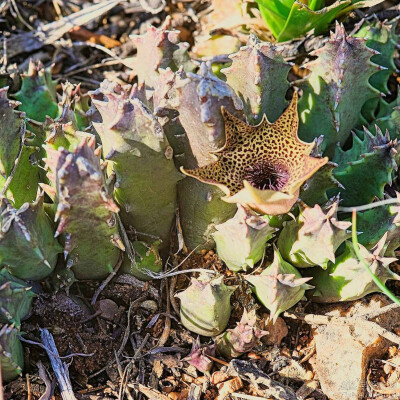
<point>387,368</point>
<point>218,377</point>
<point>107,308</point>
<point>309,375</point>
<point>392,351</point>
<point>149,305</point>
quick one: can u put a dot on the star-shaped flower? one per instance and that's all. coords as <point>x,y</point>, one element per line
<point>262,166</point>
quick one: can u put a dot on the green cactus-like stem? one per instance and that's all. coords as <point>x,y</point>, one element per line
<point>242,339</point>
<point>147,260</point>
<point>210,316</point>
<point>258,74</point>
<point>19,154</point>
<point>63,132</point>
<point>373,224</point>
<point>11,353</point>
<point>158,48</point>
<point>12,128</point>
<point>167,116</point>
<point>38,93</point>
<point>313,237</point>
<point>74,106</point>
<point>28,248</point>
<point>141,158</point>
<point>336,90</point>
<point>15,299</point>
<point>279,287</point>
<point>198,99</point>
<point>85,211</point>
<point>347,278</point>
<point>241,240</point>
<point>380,36</point>
<point>314,191</point>
<point>388,118</point>
<point>365,169</point>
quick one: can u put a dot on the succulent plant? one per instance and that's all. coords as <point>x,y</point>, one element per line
<point>241,240</point>
<point>373,224</point>
<point>261,166</point>
<point>347,278</point>
<point>38,95</point>
<point>365,169</point>
<point>313,237</point>
<point>290,19</point>
<point>388,118</point>
<point>74,106</point>
<point>85,210</point>
<point>279,287</point>
<point>314,191</point>
<point>258,74</point>
<point>336,90</point>
<point>12,127</point>
<point>158,48</point>
<point>11,353</point>
<point>28,248</point>
<point>242,339</point>
<point>210,316</point>
<point>63,132</point>
<point>146,258</point>
<point>198,356</point>
<point>140,156</point>
<point>380,36</point>
<point>15,299</point>
<point>198,98</point>
<point>18,168</point>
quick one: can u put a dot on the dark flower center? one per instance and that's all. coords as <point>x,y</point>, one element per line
<point>263,175</point>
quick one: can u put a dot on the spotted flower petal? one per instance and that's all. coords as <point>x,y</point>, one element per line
<point>262,166</point>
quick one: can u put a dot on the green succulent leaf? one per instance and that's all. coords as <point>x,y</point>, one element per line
<point>279,287</point>
<point>18,154</point>
<point>242,339</point>
<point>85,210</point>
<point>38,95</point>
<point>336,90</point>
<point>315,189</point>
<point>11,353</point>
<point>210,316</point>
<point>347,279</point>
<point>74,106</point>
<point>381,36</point>
<point>365,169</point>
<point>28,248</point>
<point>313,238</point>
<point>388,118</point>
<point>12,128</point>
<point>15,299</point>
<point>139,154</point>
<point>241,240</point>
<point>374,223</point>
<point>258,74</point>
<point>146,258</point>
<point>291,19</point>
<point>198,98</point>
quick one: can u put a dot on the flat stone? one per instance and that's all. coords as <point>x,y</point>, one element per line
<point>344,352</point>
